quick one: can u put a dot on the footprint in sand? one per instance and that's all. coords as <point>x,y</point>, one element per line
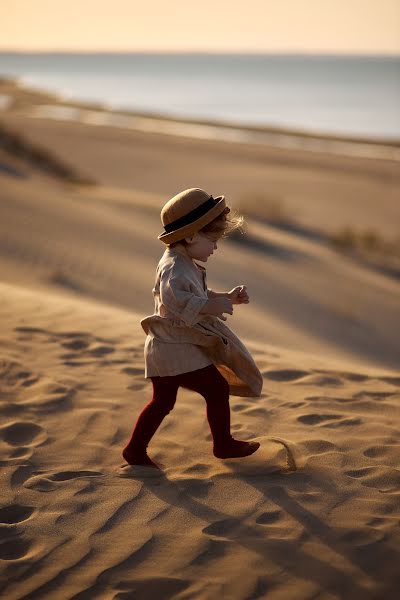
<point>101,350</point>
<point>20,475</point>
<point>238,406</point>
<point>49,395</point>
<point>133,371</point>
<point>84,348</point>
<point>13,374</point>
<point>21,452</point>
<point>83,357</point>
<point>292,404</point>
<point>67,475</point>
<point>221,528</point>
<point>319,446</point>
<point>23,433</point>
<point>269,517</point>
<point>389,451</point>
<point>136,386</point>
<point>81,344</point>
<point>334,421</point>
<point>375,451</point>
<point>385,479</point>
<point>285,374</point>
<point>15,513</point>
<point>52,396</point>
<point>48,483</point>
<point>76,344</point>
<point>13,549</point>
<point>72,334</point>
<point>30,381</point>
<point>78,363</point>
<point>315,418</point>
<point>136,372</point>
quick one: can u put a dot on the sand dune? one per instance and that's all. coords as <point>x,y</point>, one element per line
<point>103,243</point>
<point>319,190</point>
<point>315,512</point>
<point>79,522</point>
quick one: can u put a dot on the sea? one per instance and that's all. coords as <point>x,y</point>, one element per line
<point>341,95</point>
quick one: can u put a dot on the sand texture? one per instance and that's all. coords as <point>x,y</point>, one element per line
<point>315,512</point>
<point>77,522</point>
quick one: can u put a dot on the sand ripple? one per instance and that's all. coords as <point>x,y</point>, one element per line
<point>314,509</point>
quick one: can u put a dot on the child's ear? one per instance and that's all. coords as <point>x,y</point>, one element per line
<point>189,240</point>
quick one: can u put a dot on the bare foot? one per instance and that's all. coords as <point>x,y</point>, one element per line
<point>238,449</point>
<point>143,460</point>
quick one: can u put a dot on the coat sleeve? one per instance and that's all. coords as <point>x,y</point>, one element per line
<point>177,297</point>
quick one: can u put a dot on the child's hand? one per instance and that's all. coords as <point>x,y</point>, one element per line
<point>217,306</point>
<point>223,305</point>
<point>238,295</point>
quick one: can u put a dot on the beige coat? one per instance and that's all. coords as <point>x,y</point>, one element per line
<point>179,339</point>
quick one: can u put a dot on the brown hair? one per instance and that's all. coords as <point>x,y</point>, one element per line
<point>222,226</point>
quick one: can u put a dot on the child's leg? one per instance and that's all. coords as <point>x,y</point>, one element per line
<point>215,389</point>
<point>164,397</point>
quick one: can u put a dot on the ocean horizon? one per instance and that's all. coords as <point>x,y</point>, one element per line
<point>329,94</point>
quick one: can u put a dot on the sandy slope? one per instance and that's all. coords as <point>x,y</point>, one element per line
<point>76,273</point>
<point>103,243</point>
<point>76,523</point>
<point>319,190</point>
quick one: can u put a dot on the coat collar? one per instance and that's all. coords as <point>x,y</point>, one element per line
<point>181,249</point>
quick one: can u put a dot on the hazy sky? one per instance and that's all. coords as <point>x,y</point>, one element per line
<point>355,26</point>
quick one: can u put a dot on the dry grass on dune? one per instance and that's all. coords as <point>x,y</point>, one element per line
<point>368,240</point>
<point>365,244</point>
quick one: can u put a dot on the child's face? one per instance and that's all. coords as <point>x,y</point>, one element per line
<point>200,245</point>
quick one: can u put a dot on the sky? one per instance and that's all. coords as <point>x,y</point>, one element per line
<point>298,26</point>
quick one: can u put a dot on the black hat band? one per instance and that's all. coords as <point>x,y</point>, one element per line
<point>192,216</point>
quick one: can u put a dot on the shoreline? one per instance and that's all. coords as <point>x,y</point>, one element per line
<point>18,98</point>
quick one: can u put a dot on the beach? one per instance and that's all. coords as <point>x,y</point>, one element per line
<point>315,512</point>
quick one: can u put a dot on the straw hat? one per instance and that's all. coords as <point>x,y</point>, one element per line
<point>187,212</point>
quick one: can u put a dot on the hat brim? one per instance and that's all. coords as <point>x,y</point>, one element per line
<point>192,228</point>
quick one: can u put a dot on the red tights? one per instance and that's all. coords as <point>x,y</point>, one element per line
<point>214,388</point>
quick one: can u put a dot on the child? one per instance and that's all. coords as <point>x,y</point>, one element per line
<point>187,343</point>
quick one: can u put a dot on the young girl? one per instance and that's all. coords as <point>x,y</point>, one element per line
<point>187,343</point>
